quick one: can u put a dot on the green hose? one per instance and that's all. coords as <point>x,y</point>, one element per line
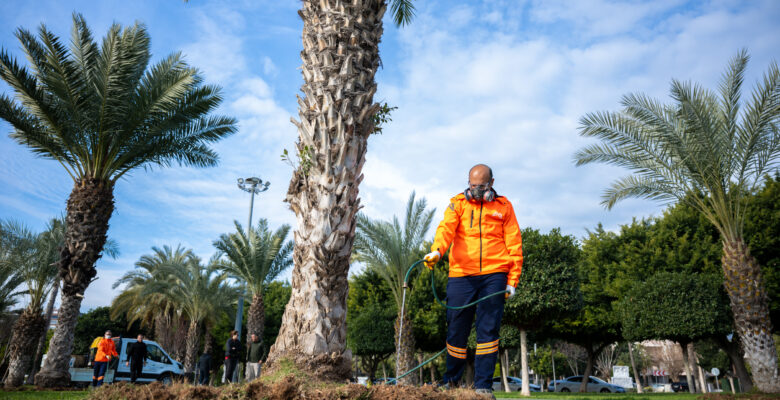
<point>436,296</point>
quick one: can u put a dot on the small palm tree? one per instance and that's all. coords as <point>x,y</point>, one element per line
<point>255,259</point>
<point>33,257</point>
<point>102,112</point>
<point>199,292</point>
<point>704,149</point>
<point>389,249</point>
<point>137,302</point>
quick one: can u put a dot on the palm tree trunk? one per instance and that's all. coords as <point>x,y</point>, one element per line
<point>404,358</point>
<point>750,306</point>
<point>191,354</point>
<point>42,342</point>
<point>526,389</point>
<point>207,338</point>
<point>340,58</point>
<point>26,333</point>
<point>255,320</point>
<point>89,208</point>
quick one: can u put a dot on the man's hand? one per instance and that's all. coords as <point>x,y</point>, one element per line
<point>510,291</point>
<point>431,259</point>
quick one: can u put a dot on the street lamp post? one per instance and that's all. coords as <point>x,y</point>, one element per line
<point>254,186</point>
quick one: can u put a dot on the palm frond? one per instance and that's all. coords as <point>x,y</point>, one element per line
<point>700,149</point>
<point>402,11</point>
<point>102,111</point>
<point>255,258</point>
<point>389,248</point>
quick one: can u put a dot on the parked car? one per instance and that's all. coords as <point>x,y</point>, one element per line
<point>680,386</point>
<point>384,381</point>
<point>572,384</point>
<point>515,384</point>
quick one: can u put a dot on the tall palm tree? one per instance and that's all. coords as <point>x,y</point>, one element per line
<point>53,238</point>
<point>33,256</point>
<point>255,259</point>
<point>336,115</point>
<point>101,111</point>
<point>199,292</point>
<point>389,249</point>
<point>706,151</point>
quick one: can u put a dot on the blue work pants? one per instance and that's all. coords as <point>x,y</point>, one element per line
<point>461,291</point>
<point>99,372</point>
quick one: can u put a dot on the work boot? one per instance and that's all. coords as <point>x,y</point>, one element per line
<point>486,393</point>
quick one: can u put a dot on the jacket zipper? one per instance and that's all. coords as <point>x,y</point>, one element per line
<point>471,224</point>
<point>480,235</point>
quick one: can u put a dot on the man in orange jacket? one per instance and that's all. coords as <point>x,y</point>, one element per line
<point>486,257</point>
<point>105,350</point>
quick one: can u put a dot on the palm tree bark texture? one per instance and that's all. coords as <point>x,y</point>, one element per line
<point>26,332</point>
<point>340,58</point>
<point>89,208</point>
<point>405,353</point>
<point>255,319</point>
<point>749,304</point>
<point>191,355</point>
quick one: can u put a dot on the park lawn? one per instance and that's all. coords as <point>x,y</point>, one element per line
<point>599,396</point>
<point>43,395</point>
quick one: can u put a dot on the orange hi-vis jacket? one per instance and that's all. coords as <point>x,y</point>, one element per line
<point>485,238</point>
<point>105,349</point>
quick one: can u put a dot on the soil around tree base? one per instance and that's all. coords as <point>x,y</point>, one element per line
<point>52,379</point>
<point>322,367</point>
<point>288,388</point>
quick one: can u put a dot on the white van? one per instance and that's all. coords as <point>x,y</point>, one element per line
<point>159,366</point>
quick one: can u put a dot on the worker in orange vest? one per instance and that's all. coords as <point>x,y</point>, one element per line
<point>105,350</point>
<point>480,231</point>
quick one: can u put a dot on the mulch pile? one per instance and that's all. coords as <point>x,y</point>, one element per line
<point>288,388</point>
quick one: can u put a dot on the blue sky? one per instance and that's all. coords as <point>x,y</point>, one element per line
<point>499,82</point>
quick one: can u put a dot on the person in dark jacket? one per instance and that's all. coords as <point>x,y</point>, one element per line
<point>204,368</point>
<point>232,351</point>
<point>253,354</point>
<point>136,357</point>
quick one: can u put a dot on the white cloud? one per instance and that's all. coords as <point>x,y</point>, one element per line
<point>269,68</point>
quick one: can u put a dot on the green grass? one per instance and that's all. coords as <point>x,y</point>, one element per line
<point>44,395</point>
<point>600,396</point>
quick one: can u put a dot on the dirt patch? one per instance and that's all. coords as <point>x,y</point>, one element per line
<point>324,367</point>
<point>287,388</point>
<point>200,392</point>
